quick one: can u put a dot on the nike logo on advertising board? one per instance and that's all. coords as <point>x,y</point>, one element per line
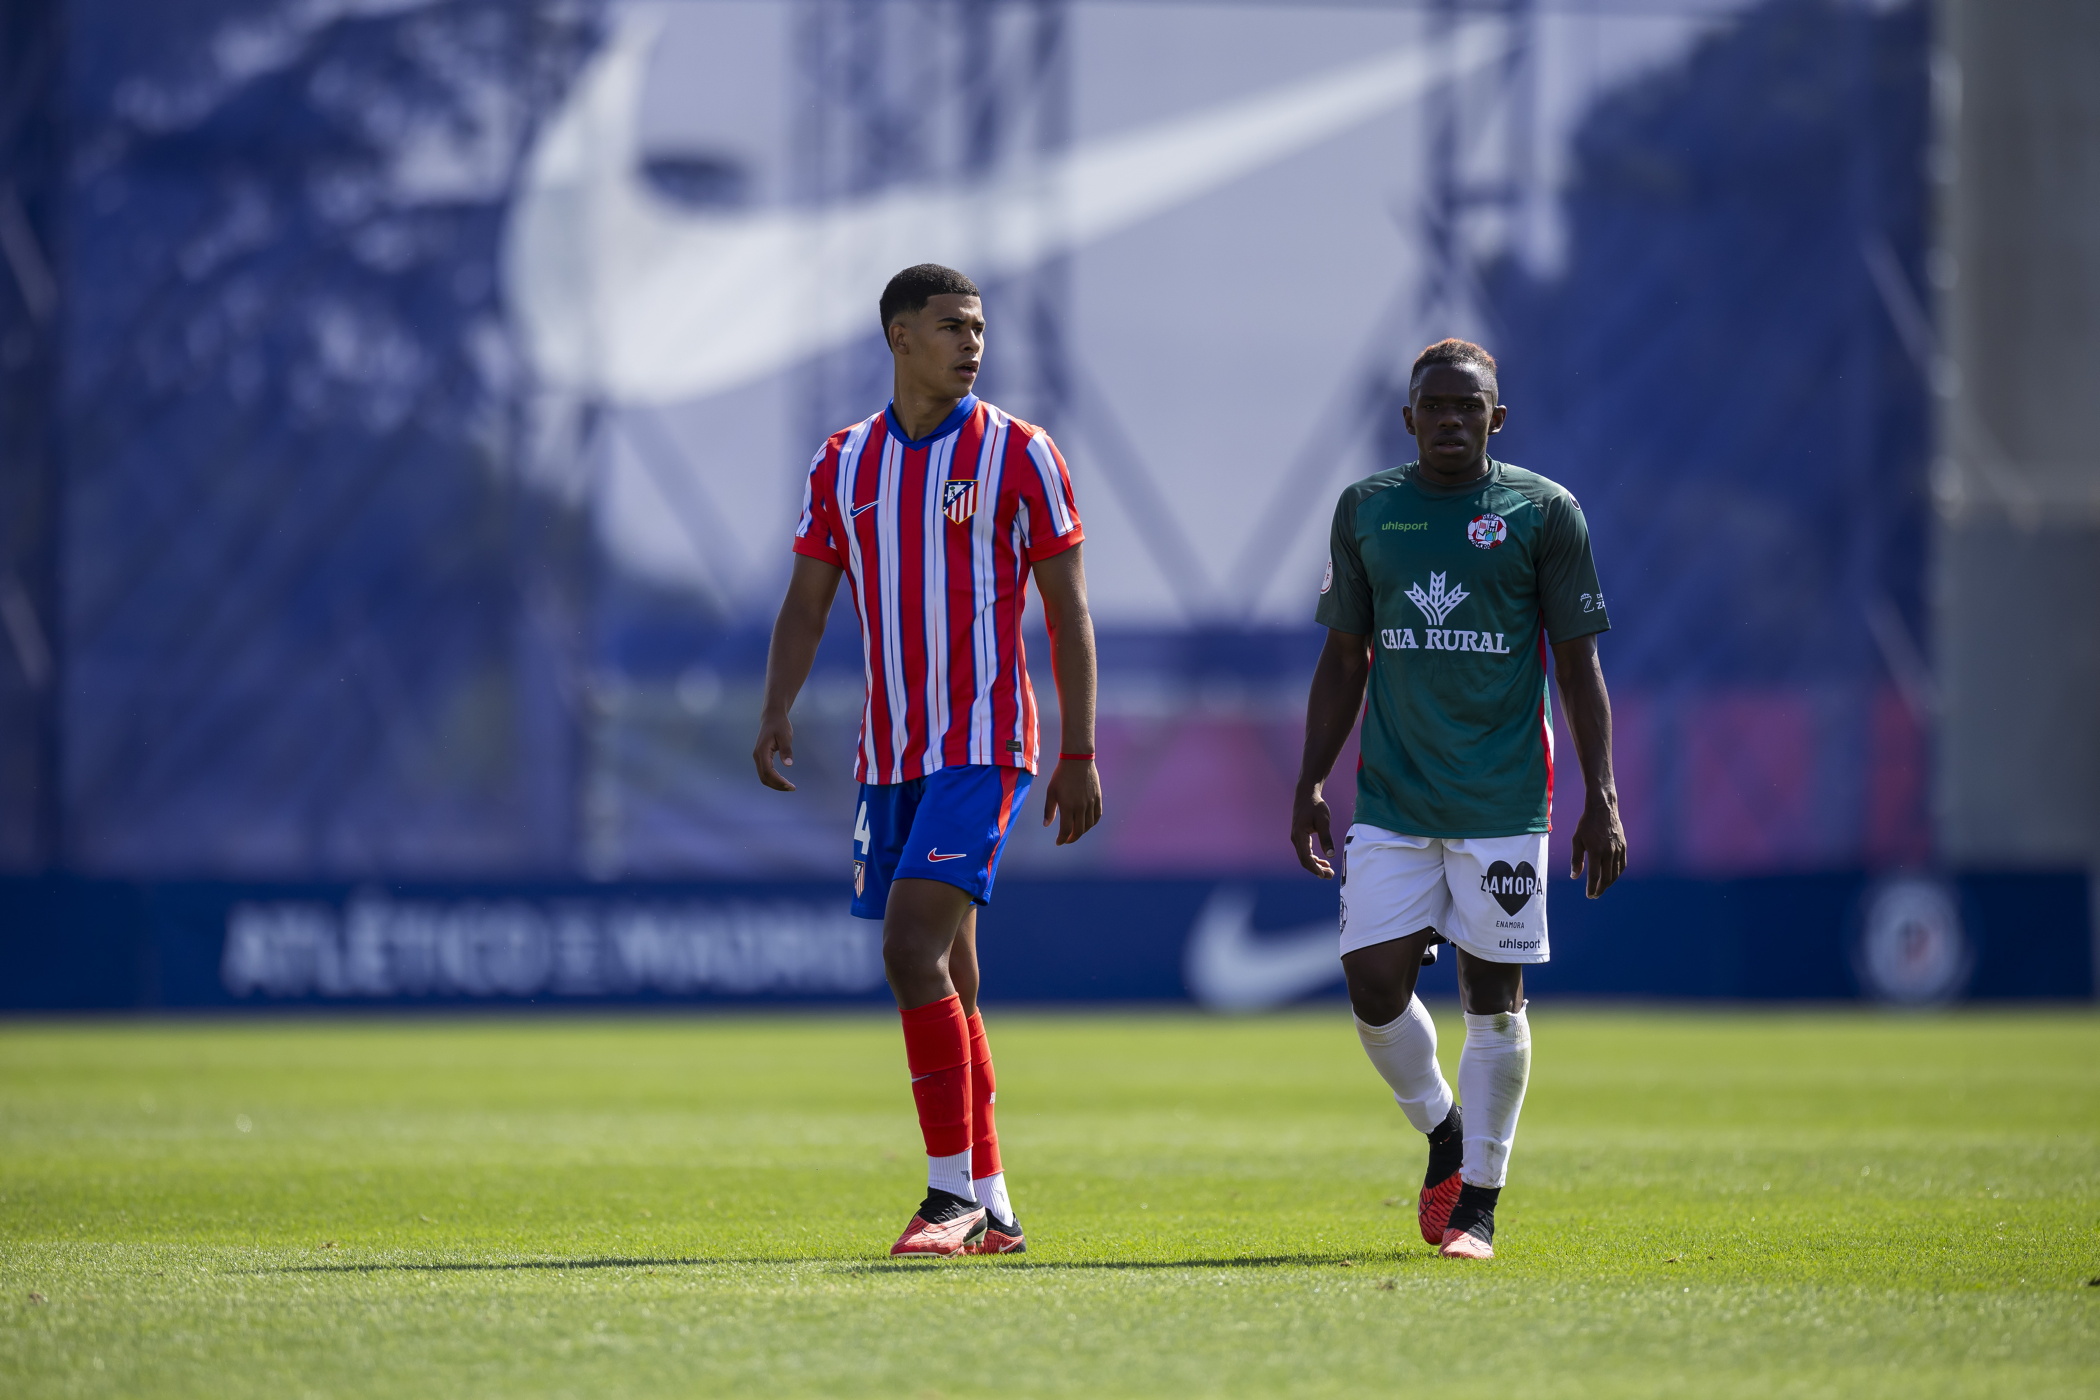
<point>935,854</point>
<point>1227,968</point>
<point>621,295</point>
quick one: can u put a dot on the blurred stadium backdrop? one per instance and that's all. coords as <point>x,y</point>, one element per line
<point>404,407</point>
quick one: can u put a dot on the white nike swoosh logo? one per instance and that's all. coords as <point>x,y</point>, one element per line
<point>623,296</point>
<point>936,855</point>
<point>1225,967</point>
<point>862,510</point>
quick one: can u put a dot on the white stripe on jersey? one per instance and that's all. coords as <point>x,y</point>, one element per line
<point>809,496</point>
<point>1022,728</point>
<point>848,473</point>
<point>984,641</point>
<point>934,589</point>
<point>889,543</point>
<point>1053,485</point>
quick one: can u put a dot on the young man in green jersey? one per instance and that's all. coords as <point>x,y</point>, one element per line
<point>1446,581</point>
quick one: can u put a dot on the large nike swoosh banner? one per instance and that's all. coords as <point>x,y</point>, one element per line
<point>625,297</point>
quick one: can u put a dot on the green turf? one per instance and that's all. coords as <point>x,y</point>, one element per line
<point>1719,1204</point>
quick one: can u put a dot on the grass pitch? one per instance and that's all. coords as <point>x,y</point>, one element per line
<point>1837,1204</point>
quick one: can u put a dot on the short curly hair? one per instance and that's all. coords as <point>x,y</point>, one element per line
<point>912,288</point>
<point>1453,351</point>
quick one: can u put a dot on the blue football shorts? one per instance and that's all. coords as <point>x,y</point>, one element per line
<point>949,826</point>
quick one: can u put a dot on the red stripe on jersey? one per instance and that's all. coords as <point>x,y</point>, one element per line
<point>938,570</point>
<point>1546,730</point>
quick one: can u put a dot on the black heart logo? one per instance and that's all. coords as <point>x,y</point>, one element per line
<point>1512,889</point>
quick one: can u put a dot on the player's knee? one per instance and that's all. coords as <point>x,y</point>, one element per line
<point>1378,1001</point>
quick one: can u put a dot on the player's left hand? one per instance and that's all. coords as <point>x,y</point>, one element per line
<point>1309,819</point>
<point>1600,842</point>
<point>1073,795</point>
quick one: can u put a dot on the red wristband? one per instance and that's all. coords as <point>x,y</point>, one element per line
<point>1076,757</point>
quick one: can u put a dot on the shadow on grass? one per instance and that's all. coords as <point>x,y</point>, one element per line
<point>863,1266</point>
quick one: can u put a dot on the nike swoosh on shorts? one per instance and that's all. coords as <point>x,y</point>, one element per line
<point>935,854</point>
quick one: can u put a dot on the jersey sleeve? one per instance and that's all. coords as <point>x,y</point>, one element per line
<point>817,532</point>
<point>1345,590</point>
<point>1052,513</point>
<point>1569,595</point>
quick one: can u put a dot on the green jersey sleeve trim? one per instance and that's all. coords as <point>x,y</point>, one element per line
<point>1570,598</point>
<point>1345,592</point>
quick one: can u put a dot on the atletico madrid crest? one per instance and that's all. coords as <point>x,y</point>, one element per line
<point>959,500</point>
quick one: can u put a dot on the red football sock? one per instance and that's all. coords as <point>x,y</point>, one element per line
<point>937,1047</point>
<point>984,1138</point>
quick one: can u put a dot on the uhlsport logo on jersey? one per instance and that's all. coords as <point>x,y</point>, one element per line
<point>959,500</point>
<point>1487,530</point>
<point>1512,889</point>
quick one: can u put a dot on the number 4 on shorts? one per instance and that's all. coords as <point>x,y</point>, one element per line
<point>860,829</point>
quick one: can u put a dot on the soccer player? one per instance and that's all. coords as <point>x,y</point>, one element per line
<point>1446,580</point>
<point>936,511</point>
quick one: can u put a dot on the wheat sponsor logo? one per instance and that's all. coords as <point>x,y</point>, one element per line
<point>1437,601</point>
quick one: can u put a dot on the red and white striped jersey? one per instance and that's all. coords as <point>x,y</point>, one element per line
<point>936,538</point>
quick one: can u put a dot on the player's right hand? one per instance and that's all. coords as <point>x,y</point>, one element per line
<point>775,735</point>
<point>1309,819</point>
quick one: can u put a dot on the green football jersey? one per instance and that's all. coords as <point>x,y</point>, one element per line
<point>1458,592</point>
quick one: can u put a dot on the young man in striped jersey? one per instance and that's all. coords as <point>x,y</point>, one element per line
<point>935,512</point>
<point>1446,580</point>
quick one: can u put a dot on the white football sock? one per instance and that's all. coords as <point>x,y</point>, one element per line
<point>1404,1052</point>
<point>950,1174</point>
<point>1492,1072</point>
<point>991,1194</point>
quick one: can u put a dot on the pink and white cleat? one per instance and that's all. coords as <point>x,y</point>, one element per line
<point>1464,1244</point>
<point>1440,1183</point>
<point>1471,1231</point>
<point>999,1237</point>
<point>945,1225</point>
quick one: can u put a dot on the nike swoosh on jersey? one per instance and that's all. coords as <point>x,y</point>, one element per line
<point>861,510</point>
<point>1227,968</point>
<point>935,854</point>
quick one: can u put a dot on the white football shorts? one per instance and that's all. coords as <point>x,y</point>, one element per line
<point>1487,894</point>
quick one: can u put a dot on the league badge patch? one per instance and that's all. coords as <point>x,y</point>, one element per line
<point>1487,531</point>
<point>1327,582</point>
<point>959,500</point>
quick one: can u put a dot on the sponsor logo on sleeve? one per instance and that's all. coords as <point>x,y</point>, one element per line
<point>1487,530</point>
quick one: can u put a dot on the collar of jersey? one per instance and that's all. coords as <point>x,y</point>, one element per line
<point>949,424</point>
<point>1451,493</point>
